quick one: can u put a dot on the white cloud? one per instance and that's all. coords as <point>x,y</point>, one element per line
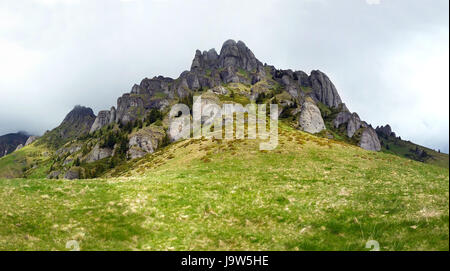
<point>387,62</point>
<point>373,2</point>
<point>17,62</point>
<point>57,2</point>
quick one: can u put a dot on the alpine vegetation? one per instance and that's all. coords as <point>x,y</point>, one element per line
<point>233,154</point>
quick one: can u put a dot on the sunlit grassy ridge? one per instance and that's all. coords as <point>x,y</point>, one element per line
<point>309,194</point>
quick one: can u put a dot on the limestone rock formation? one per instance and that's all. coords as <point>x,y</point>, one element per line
<point>129,108</point>
<point>354,123</point>
<point>342,118</point>
<point>152,86</point>
<point>311,119</point>
<point>324,89</point>
<point>369,140</point>
<point>385,131</point>
<point>205,60</point>
<point>145,141</point>
<point>368,137</point>
<point>98,153</point>
<point>351,120</point>
<point>103,119</point>
<point>237,55</point>
<point>112,117</point>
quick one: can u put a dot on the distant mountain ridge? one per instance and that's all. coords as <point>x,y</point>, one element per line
<point>9,142</point>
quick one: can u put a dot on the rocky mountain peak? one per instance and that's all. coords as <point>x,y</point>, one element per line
<point>76,123</point>
<point>205,60</point>
<point>79,114</point>
<point>238,55</point>
<point>232,55</point>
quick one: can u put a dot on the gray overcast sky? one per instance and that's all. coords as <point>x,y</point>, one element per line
<point>389,59</point>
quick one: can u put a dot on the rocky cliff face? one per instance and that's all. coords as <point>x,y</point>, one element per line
<point>324,90</point>
<point>129,108</point>
<point>103,119</point>
<point>319,87</point>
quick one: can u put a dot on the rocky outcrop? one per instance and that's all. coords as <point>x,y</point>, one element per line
<point>324,90</point>
<point>385,131</point>
<point>129,108</point>
<point>73,173</point>
<point>219,90</point>
<point>152,86</point>
<point>113,115</point>
<point>311,119</point>
<point>20,146</point>
<point>206,60</point>
<point>354,124</point>
<point>342,118</point>
<point>369,140</point>
<point>79,117</point>
<point>145,141</point>
<point>98,153</point>
<point>237,55</point>
<point>31,139</point>
<point>103,119</point>
<point>235,64</point>
<point>351,121</point>
<point>287,78</point>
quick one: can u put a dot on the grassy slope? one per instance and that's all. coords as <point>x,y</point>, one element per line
<point>397,147</point>
<point>406,149</point>
<point>309,194</point>
<point>21,162</point>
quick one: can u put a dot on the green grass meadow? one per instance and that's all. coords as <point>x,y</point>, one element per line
<point>309,194</point>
